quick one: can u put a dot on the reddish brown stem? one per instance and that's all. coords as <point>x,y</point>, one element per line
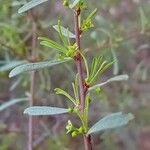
<point>87,142</point>
<point>82,87</point>
<point>79,61</point>
<point>32,85</point>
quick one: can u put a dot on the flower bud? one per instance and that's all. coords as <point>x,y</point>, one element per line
<point>81,130</point>
<point>74,134</point>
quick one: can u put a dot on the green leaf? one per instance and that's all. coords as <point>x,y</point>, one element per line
<point>86,66</point>
<point>62,92</point>
<point>93,67</point>
<point>65,31</point>
<point>116,78</point>
<point>97,61</point>
<point>92,14</point>
<point>34,66</point>
<point>11,65</point>
<point>111,121</point>
<point>98,67</point>
<point>12,102</point>
<point>52,44</point>
<point>62,37</point>
<point>86,110</point>
<point>116,64</point>
<point>31,5</point>
<point>143,19</point>
<point>44,110</point>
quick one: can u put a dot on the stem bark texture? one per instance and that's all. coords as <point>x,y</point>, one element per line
<point>80,70</point>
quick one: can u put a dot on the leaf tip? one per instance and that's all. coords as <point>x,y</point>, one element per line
<point>39,38</point>
<point>10,74</point>
<point>126,77</point>
<point>19,11</point>
<point>25,111</point>
<point>130,116</point>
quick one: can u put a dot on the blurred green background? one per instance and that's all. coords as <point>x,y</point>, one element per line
<point>121,32</point>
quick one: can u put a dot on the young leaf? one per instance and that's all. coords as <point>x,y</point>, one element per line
<point>34,66</point>
<point>86,109</point>
<point>111,121</point>
<point>75,91</point>
<point>94,67</point>
<point>86,66</point>
<point>143,19</point>
<point>11,65</point>
<point>31,5</point>
<point>12,102</point>
<point>98,67</point>
<point>116,78</point>
<point>62,37</point>
<point>62,92</point>
<point>115,65</point>
<point>44,110</point>
<point>65,31</point>
<point>52,44</point>
<point>92,14</point>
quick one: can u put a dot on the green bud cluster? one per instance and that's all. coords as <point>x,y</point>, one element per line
<point>87,24</point>
<point>73,130</point>
<point>72,50</point>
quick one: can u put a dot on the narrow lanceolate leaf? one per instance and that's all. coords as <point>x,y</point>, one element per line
<point>12,102</point>
<point>111,121</point>
<point>30,5</point>
<point>52,44</point>
<point>10,65</point>
<point>116,78</point>
<point>92,14</point>
<point>44,110</point>
<point>62,92</point>
<point>64,31</point>
<point>34,66</point>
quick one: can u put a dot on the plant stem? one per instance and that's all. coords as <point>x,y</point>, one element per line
<point>87,142</point>
<point>32,84</point>
<point>79,61</point>
<point>82,87</point>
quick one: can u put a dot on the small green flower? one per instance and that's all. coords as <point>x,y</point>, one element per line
<point>72,50</point>
<point>81,130</point>
<point>69,127</point>
<point>74,133</point>
<point>87,24</point>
